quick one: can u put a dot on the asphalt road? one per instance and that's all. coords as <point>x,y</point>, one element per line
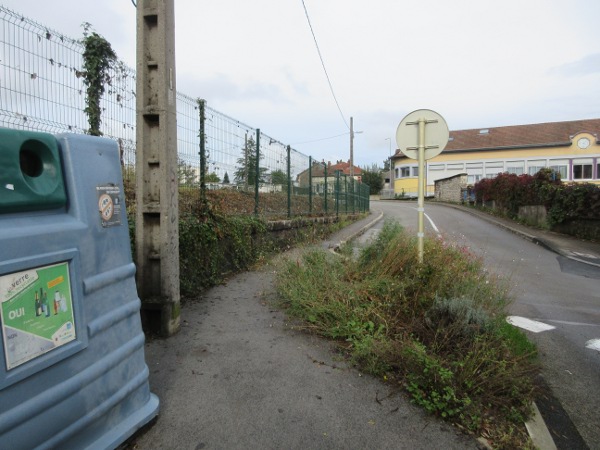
<point>547,288</point>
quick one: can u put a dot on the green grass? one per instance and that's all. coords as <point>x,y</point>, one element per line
<point>438,328</point>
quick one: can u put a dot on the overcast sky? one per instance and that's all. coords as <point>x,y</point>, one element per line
<point>478,63</point>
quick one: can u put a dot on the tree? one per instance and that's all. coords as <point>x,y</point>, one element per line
<point>186,173</point>
<point>226,178</point>
<point>373,179</point>
<point>279,177</point>
<point>246,169</point>
<point>212,178</point>
<point>374,168</point>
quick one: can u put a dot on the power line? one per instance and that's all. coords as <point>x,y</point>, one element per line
<point>322,139</point>
<point>323,64</point>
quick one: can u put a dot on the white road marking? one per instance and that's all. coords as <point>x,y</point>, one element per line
<point>433,225</point>
<point>593,344</point>
<point>528,324</point>
<point>428,218</point>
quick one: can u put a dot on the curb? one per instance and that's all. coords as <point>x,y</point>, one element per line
<point>538,431</point>
<point>337,246</point>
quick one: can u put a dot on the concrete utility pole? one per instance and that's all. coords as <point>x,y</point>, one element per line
<point>157,216</point>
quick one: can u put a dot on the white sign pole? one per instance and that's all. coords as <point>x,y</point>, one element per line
<point>421,189</point>
<point>416,146</point>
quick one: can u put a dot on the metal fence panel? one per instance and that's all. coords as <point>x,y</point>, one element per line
<point>42,89</point>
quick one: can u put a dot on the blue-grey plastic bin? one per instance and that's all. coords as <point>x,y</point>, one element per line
<point>72,368</point>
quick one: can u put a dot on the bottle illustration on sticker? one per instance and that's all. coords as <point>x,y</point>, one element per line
<point>38,305</point>
<point>30,332</point>
<point>45,305</point>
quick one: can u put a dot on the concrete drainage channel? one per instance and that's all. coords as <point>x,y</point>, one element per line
<point>536,426</point>
<point>336,247</point>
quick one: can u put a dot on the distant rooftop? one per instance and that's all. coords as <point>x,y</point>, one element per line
<point>551,134</point>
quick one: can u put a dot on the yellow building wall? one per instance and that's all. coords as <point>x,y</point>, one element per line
<point>406,186</point>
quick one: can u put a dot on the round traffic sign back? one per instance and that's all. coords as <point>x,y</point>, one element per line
<point>436,134</point>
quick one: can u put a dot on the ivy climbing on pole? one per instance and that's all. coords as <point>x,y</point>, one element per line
<point>98,58</point>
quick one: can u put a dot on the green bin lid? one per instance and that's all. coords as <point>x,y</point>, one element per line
<point>31,176</point>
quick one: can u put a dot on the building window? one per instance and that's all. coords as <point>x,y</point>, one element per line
<point>598,170</point>
<point>561,166</point>
<point>562,170</point>
<point>474,172</point>
<point>534,167</point>
<point>516,167</point>
<point>492,169</point>
<point>582,171</point>
<point>436,167</point>
<point>396,172</point>
<point>404,172</point>
<point>415,171</point>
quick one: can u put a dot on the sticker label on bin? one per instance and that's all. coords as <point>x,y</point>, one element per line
<point>36,312</point>
<point>109,205</point>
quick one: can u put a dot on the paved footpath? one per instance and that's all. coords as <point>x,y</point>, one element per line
<point>238,375</point>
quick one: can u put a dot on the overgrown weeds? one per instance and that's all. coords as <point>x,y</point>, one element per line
<point>436,328</point>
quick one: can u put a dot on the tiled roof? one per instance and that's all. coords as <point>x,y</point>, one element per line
<point>517,136</point>
<point>344,167</point>
<point>318,170</point>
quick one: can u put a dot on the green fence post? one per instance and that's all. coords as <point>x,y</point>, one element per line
<point>366,190</point>
<point>289,181</point>
<point>346,192</point>
<point>310,205</point>
<point>325,172</point>
<point>357,196</point>
<point>257,173</point>
<point>201,105</point>
<point>363,200</point>
<point>353,195</point>
<point>337,193</point>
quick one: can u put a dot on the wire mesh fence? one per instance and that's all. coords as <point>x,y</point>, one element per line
<point>42,88</point>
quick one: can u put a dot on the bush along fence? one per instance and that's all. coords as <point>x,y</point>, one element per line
<point>57,84</point>
<point>544,200</point>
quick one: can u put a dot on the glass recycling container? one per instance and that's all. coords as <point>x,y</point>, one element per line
<point>72,367</point>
